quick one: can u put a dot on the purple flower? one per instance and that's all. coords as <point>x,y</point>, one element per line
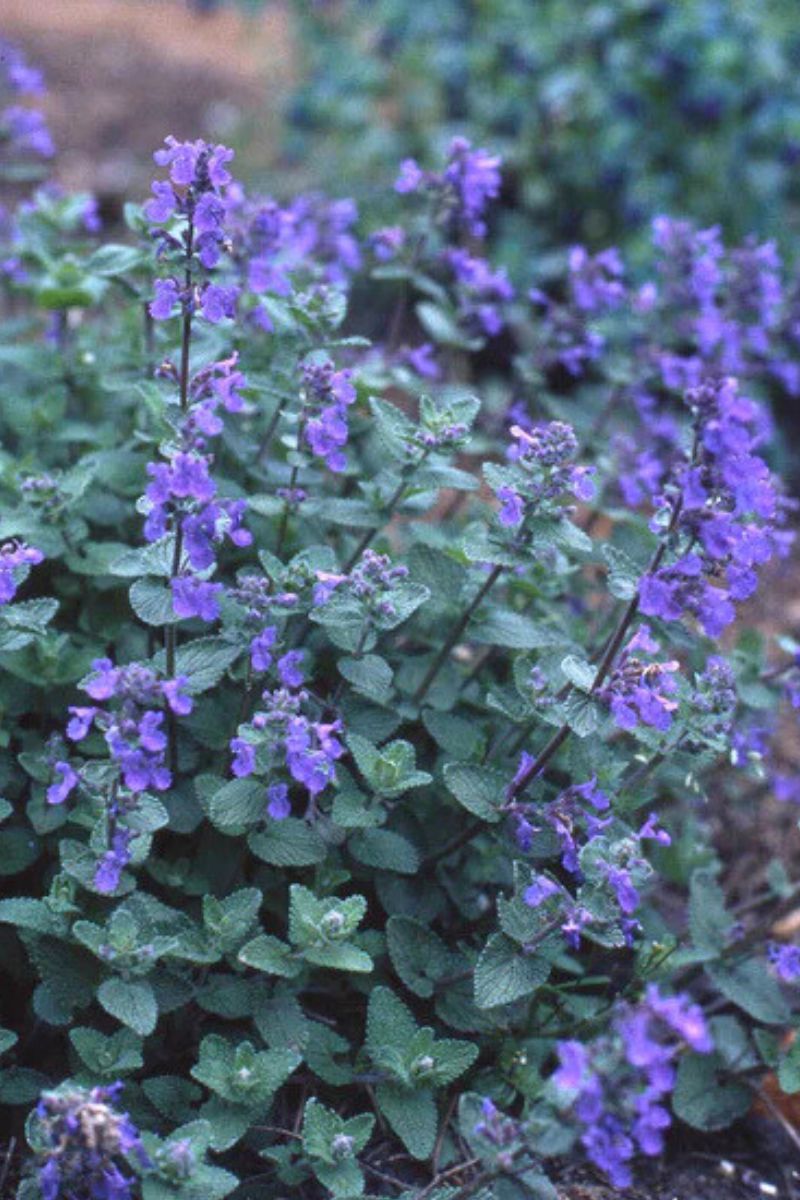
<point>80,723</point>
<point>79,1139</point>
<point>162,206</point>
<point>114,861</point>
<point>27,130</point>
<point>540,890</point>
<point>244,758</point>
<point>411,177</point>
<point>422,359</point>
<point>15,558</point>
<point>260,646</point>
<point>652,830</point>
<point>195,163</point>
<point>786,961</point>
<point>512,508</point>
<point>289,669</point>
<point>166,297</point>
<point>58,791</point>
<point>217,303</point>
<point>474,176</point>
<point>195,598</point>
<point>311,751</point>
<point>278,805</point>
<point>595,279</point>
<point>573,1064</point>
<point>387,243</point>
<point>176,697</point>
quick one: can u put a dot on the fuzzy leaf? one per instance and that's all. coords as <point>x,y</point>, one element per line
<point>703,1098</point>
<point>288,843</point>
<point>504,973</point>
<point>131,1001</point>
<point>412,1115</point>
<point>481,790</point>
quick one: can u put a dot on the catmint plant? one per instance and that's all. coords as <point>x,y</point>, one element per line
<point>364,695</point>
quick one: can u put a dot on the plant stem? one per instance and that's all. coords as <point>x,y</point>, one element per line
<point>149,340</point>
<point>170,631</point>
<point>610,652</point>
<point>455,633</point>
<point>368,535</point>
<point>288,505</point>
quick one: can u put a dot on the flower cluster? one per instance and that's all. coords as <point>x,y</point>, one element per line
<point>133,729</point>
<point>638,691</point>
<point>82,1141</point>
<point>309,749</point>
<point>308,242</point>
<point>194,196</point>
<point>327,395</point>
<point>729,508</point>
<point>462,190</point>
<point>786,961</point>
<point>614,1088</point>
<point>24,128</point>
<point>544,471</point>
<point>567,816</point>
<point>15,559</point>
<point>598,861</point>
<point>480,291</point>
<point>371,581</point>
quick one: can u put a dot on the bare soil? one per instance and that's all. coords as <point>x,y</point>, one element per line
<point>122,74</point>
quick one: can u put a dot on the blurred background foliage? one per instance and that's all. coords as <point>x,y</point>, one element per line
<point>606,112</point>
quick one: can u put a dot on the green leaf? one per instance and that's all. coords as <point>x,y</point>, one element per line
<point>204,661</point>
<point>748,986</point>
<point>481,790</point>
<point>131,1001</point>
<point>384,850</point>
<point>115,259</point>
<point>789,1069</point>
<point>709,922</point>
<point>32,914</point>
<point>393,427</point>
<point>105,1056</point>
<point>389,1023</point>
<point>623,573</point>
<point>238,804</point>
<point>371,676</point>
<point>155,559</point>
<point>412,1115</point>
<point>503,627</point>
<point>152,602</point>
<point>288,843</point>
<point>270,955</point>
<point>336,511</point>
<point>579,672</point>
<point>504,973</point>
<point>7,1040</point>
<point>443,326</point>
<point>322,1125</point>
<point>240,1074</point>
<point>419,956</point>
<point>228,920</point>
<point>702,1096</point>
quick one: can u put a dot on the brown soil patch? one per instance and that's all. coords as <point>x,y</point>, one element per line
<point>124,73</point>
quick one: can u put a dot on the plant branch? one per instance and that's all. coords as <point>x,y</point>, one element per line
<point>455,634</point>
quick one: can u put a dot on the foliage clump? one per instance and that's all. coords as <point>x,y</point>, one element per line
<point>362,696</point>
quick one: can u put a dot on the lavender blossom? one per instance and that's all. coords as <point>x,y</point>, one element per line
<point>15,559</point>
<point>82,1143</point>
